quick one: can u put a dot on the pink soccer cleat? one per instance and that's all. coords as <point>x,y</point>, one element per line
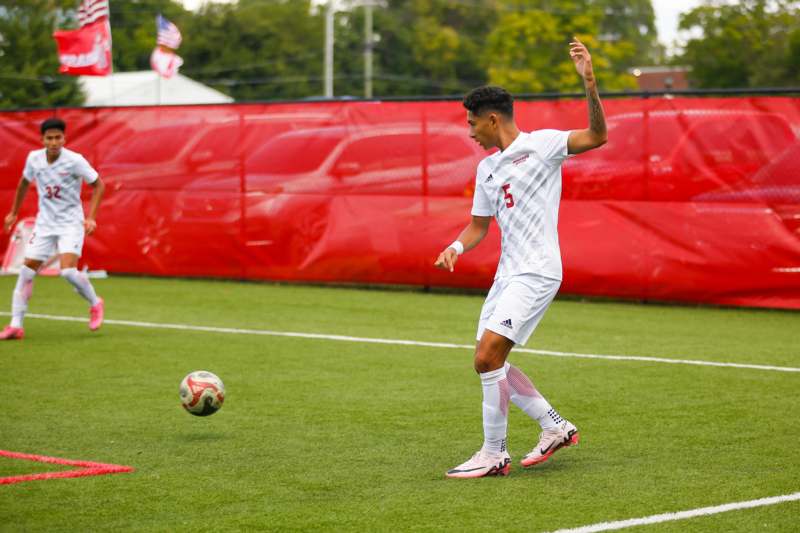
<point>550,441</point>
<point>483,464</point>
<point>96,315</point>
<point>11,333</point>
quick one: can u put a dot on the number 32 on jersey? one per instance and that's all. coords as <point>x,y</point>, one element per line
<point>53,192</point>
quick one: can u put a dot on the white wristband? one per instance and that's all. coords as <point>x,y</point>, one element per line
<point>458,246</point>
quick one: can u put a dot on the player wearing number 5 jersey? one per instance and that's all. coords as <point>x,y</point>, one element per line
<point>520,186</point>
<point>60,226</point>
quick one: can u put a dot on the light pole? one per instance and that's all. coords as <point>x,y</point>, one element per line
<point>328,75</point>
<point>368,40</point>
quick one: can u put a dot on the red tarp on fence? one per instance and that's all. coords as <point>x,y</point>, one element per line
<point>692,199</point>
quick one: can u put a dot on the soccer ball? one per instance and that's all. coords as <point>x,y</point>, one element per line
<point>202,393</point>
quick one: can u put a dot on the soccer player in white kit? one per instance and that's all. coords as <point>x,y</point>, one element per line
<point>520,186</point>
<point>60,225</point>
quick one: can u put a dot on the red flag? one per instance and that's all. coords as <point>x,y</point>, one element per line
<point>86,51</point>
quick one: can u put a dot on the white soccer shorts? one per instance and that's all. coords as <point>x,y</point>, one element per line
<point>516,304</point>
<point>43,245</point>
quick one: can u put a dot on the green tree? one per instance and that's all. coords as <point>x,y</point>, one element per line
<point>527,50</point>
<point>754,43</point>
<point>273,49</point>
<point>257,49</point>
<point>424,47</point>
<point>632,22</point>
<point>133,29</point>
<point>28,55</point>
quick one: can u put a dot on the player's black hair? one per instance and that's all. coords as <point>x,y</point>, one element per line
<point>54,123</point>
<point>489,97</point>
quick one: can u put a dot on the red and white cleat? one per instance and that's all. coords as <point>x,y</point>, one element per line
<point>483,464</point>
<point>11,333</point>
<point>96,315</point>
<point>550,441</point>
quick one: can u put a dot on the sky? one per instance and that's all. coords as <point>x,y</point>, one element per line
<point>667,12</point>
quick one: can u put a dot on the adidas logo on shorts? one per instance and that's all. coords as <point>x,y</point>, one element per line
<point>507,323</point>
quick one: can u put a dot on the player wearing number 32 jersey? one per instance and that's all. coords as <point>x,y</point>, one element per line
<point>520,187</point>
<point>60,225</point>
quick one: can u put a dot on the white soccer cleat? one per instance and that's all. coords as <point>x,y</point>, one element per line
<point>550,441</point>
<point>483,464</point>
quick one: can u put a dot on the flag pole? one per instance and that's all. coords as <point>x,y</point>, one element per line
<point>111,74</point>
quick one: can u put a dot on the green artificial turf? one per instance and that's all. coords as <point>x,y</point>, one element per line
<point>319,434</point>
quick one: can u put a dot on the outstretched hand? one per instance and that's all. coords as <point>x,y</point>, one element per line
<point>447,259</point>
<point>89,226</point>
<point>582,58</point>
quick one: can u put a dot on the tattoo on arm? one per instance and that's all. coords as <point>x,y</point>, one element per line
<point>597,119</point>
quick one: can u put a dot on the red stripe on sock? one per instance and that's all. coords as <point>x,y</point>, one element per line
<point>521,384</point>
<point>504,396</point>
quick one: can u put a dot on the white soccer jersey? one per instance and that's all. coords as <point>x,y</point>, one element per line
<point>521,188</point>
<point>59,188</point>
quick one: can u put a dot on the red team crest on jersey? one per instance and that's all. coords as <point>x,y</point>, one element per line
<point>508,197</point>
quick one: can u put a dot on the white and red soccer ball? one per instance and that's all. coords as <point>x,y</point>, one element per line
<point>202,393</point>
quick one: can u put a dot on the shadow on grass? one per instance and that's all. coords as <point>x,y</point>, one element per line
<point>548,468</point>
<point>201,436</point>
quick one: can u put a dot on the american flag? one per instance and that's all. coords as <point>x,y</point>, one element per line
<point>168,33</point>
<point>91,11</point>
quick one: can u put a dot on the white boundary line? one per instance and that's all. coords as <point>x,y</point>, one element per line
<point>682,515</point>
<point>238,331</point>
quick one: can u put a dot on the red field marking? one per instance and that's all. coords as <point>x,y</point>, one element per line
<point>87,468</point>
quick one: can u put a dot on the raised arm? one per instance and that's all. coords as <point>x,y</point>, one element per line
<point>469,238</point>
<point>595,135</point>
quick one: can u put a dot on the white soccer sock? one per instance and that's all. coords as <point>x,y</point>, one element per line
<point>81,284</point>
<point>22,293</point>
<point>495,410</point>
<point>526,397</point>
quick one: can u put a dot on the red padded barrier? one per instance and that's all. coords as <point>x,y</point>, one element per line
<point>692,199</point>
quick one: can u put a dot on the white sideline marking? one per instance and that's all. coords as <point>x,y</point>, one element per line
<point>682,515</point>
<point>373,340</point>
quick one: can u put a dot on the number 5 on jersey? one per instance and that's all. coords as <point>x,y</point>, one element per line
<point>508,198</point>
